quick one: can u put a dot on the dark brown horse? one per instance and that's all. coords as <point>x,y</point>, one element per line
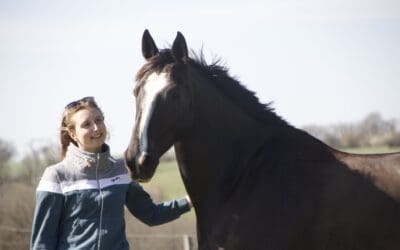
<point>256,182</point>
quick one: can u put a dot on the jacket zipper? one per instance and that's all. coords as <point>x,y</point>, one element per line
<point>101,202</point>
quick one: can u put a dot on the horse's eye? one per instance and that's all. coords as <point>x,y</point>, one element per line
<point>175,95</point>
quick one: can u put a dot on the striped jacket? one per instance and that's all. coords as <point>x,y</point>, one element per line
<point>80,203</point>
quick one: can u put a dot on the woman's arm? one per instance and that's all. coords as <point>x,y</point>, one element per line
<point>47,215</point>
<point>142,207</point>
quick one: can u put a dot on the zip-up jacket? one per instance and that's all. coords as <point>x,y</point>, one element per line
<point>80,203</point>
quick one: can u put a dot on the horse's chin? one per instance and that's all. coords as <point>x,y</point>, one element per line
<point>143,181</point>
<point>144,173</point>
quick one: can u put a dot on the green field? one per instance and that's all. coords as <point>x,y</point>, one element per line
<point>167,180</point>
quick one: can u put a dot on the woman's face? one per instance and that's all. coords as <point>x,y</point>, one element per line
<point>90,131</point>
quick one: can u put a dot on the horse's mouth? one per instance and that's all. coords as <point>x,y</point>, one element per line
<point>147,172</point>
<point>142,167</point>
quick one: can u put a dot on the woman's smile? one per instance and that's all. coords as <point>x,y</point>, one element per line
<point>90,131</point>
<point>97,136</point>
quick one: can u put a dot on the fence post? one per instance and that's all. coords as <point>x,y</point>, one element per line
<point>186,242</point>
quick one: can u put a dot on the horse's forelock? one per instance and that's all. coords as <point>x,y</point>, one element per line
<point>156,64</point>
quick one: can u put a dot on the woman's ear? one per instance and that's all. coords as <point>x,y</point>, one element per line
<point>71,134</point>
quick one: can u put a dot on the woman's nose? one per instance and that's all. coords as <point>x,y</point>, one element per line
<point>95,127</point>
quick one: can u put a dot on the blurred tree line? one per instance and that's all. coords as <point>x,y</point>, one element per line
<point>7,151</point>
<point>18,181</point>
<point>372,131</point>
<point>30,168</point>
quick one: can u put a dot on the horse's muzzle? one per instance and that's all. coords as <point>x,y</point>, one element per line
<point>142,166</point>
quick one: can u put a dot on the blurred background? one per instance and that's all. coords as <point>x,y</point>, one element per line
<point>329,67</point>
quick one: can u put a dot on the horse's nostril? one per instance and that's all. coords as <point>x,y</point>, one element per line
<point>142,158</point>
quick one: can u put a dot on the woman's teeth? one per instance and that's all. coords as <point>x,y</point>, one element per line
<point>96,136</point>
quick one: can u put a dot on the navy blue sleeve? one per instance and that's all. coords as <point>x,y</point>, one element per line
<point>142,207</point>
<point>46,220</point>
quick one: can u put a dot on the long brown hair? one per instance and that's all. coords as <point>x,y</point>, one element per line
<point>67,125</point>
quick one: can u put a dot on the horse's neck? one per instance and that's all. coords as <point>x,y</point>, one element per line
<point>220,143</point>
<point>216,115</point>
<point>221,126</point>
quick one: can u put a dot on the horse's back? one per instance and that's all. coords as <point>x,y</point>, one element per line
<point>383,170</point>
<point>316,201</point>
<point>362,210</point>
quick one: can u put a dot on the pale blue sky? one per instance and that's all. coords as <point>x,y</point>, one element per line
<point>320,61</point>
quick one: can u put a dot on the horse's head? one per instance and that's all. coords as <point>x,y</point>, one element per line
<point>162,105</point>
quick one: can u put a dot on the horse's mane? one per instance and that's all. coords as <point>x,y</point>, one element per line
<point>233,89</point>
<point>219,76</point>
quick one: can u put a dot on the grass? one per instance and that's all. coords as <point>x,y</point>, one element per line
<point>16,210</point>
<point>168,181</point>
<point>13,169</point>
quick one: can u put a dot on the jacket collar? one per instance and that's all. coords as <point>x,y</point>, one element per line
<point>84,159</point>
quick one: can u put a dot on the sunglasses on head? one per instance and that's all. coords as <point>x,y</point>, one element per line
<point>78,102</point>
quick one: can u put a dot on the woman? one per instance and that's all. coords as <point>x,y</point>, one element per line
<point>80,200</point>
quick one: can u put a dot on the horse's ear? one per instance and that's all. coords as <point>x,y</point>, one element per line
<point>179,48</point>
<point>149,47</point>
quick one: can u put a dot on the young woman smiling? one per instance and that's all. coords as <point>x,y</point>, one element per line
<point>80,200</point>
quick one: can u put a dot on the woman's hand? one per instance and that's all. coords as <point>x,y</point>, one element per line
<point>189,201</point>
